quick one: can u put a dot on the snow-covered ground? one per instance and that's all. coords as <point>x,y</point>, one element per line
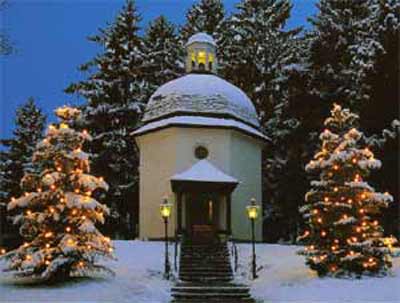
<point>138,279</point>
<point>283,278</point>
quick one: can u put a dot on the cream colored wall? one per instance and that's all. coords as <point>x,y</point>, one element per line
<point>246,167</point>
<point>169,151</point>
<point>157,162</point>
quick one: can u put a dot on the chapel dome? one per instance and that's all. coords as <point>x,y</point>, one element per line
<point>200,95</point>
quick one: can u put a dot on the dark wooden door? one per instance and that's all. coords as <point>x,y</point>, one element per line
<point>201,211</point>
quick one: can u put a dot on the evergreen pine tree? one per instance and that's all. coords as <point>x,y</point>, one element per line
<point>340,59</point>
<point>58,211</point>
<point>5,44</point>
<point>163,53</point>
<point>257,49</point>
<point>343,236</point>
<point>16,158</point>
<point>115,92</point>
<point>205,16</point>
<point>261,57</point>
<point>381,113</point>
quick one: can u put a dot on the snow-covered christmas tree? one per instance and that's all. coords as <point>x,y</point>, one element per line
<point>58,212</point>
<point>206,16</point>
<point>343,234</point>
<point>16,158</point>
<point>164,55</point>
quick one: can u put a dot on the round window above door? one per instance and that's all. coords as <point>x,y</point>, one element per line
<point>201,152</point>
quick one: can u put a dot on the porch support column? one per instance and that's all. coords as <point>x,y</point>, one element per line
<point>228,214</point>
<point>179,214</point>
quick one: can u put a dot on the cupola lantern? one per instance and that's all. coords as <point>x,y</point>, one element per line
<point>201,54</point>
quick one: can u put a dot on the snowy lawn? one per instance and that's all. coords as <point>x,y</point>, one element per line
<point>138,279</point>
<point>283,278</point>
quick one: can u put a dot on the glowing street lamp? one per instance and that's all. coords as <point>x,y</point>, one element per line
<point>165,210</point>
<point>252,214</point>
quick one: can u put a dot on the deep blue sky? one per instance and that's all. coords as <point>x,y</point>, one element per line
<point>50,37</point>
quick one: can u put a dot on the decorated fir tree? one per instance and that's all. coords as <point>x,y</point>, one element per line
<point>58,213</point>
<point>343,235</point>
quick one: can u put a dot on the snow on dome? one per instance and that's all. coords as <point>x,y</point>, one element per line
<point>203,95</point>
<point>204,171</point>
<point>202,38</point>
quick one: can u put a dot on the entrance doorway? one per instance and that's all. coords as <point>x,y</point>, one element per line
<point>202,213</point>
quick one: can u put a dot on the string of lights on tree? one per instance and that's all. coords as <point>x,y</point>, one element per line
<point>343,234</point>
<point>58,210</point>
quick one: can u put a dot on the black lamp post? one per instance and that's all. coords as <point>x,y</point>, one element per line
<point>252,213</point>
<point>165,209</point>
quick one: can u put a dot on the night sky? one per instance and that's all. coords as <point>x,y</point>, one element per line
<point>50,38</point>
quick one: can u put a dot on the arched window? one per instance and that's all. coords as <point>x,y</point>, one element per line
<point>201,58</point>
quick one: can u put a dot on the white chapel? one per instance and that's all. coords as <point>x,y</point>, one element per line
<point>200,146</point>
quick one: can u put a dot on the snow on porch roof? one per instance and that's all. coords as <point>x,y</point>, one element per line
<point>204,171</point>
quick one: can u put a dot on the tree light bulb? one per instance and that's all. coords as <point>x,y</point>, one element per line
<point>335,189</point>
<point>354,160</point>
<point>68,229</point>
<point>319,220</point>
<point>326,199</point>
<point>336,167</point>
<point>48,234</point>
<point>323,233</point>
<point>2,251</point>
<point>47,245</point>
<point>47,262</point>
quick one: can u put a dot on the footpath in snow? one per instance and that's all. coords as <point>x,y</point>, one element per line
<point>283,278</point>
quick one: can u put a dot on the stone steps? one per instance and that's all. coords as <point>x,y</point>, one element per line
<point>206,276</point>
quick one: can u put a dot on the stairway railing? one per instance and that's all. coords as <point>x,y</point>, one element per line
<point>234,253</point>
